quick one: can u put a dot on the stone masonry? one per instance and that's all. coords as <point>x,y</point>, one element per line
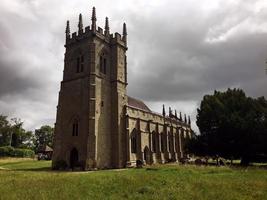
<point>97,125</point>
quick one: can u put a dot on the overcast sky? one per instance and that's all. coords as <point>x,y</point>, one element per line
<point>178,50</point>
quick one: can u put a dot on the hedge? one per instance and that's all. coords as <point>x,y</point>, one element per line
<point>9,151</point>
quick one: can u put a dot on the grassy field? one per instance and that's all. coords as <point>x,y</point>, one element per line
<point>31,179</point>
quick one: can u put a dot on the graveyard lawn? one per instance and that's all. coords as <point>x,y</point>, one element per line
<point>32,179</point>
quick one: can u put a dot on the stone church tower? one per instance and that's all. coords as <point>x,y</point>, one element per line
<point>98,125</point>
<point>90,118</point>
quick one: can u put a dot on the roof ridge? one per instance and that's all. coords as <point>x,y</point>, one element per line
<point>137,103</point>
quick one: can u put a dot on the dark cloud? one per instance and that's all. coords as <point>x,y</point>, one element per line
<point>178,51</point>
<point>190,57</point>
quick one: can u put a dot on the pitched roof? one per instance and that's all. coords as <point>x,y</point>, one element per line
<point>44,148</point>
<point>137,104</point>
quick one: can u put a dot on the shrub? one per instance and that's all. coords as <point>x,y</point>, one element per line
<point>13,152</point>
<point>139,163</point>
<point>23,153</point>
<point>6,151</point>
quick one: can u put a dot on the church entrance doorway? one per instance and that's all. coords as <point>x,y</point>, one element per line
<point>74,158</point>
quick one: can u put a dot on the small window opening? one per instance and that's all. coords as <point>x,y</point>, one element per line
<point>82,59</point>
<point>101,63</point>
<point>79,64</point>
<point>105,66</point>
<point>75,129</point>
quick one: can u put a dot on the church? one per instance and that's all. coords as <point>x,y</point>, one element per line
<point>98,126</point>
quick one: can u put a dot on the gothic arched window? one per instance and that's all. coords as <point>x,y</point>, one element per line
<point>183,134</point>
<point>170,141</point>
<point>162,140</point>
<point>79,63</point>
<point>154,142</point>
<point>75,128</point>
<point>103,63</point>
<point>134,142</point>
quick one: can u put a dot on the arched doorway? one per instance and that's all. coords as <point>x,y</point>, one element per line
<point>74,158</point>
<point>147,155</point>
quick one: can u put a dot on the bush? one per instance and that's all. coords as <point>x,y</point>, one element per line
<point>59,165</point>
<point>139,163</point>
<point>6,151</point>
<point>22,153</point>
<point>13,152</point>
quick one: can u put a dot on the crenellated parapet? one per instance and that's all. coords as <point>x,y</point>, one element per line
<point>94,31</point>
<point>174,117</point>
<point>134,112</point>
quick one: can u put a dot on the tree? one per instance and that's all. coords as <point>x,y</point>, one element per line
<point>231,125</point>
<point>20,137</point>
<point>44,136</point>
<point>13,134</point>
<point>5,132</point>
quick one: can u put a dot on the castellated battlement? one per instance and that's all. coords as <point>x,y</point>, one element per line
<point>98,126</point>
<point>93,30</point>
<point>100,31</point>
<point>156,117</point>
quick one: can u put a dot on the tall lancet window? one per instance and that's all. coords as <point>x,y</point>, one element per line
<point>79,64</point>
<point>103,63</point>
<point>154,142</point>
<point>134,141</point>
<point>82,61</point>
<point>162,140</point>
<point>105,66</point>
<point>170,143</point>
<point>75,128</point>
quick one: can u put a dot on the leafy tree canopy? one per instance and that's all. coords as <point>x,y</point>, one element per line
<point>231,125</point>
<point>43,136</point>
<point>13,134</point>
<point>5,131</point>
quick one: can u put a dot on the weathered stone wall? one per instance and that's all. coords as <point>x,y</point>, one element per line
<point>149,125</point>
<point>73,106</point>
<point>95,99</point>
<point>103,107</point>
<point>118,102</point>
<point>98,102</point>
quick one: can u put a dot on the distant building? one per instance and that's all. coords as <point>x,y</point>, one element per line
<point>97,124</point>
<point>44,152</point>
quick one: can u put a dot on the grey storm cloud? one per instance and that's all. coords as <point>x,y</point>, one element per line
<point>178,50</point>
<point>184,58</point>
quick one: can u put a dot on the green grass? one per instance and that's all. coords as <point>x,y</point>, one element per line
<point>31,179</point>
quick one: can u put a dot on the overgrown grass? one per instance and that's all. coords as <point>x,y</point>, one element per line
<point>31,179</point>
